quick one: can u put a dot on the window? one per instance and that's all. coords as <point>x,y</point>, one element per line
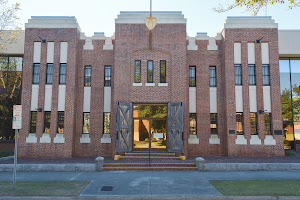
<point>60,122</point>
<point>239,123</point>
<point>49,74</point>
<point>192,77</point>
<point>62,73</point>
<point>266,74</point>
<point>193,123</point>
<point>87,76</point>
<point>47,119</point>
<point>252,75</point>
<point>33,122</point>
<point>268,123</point>
<point>36,74</point>
<point>137,71</point>
<point>213,123</point>
<point>163,71</point>
<point>238,74</point>
<point>106,123</point>
<point>212,77</point>
<point>150,72</point>
<point>86,123</point>
<point>253,123</point>
<point>107,78</point>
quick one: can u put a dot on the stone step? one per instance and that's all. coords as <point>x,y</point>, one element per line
<point>117,168</point>
<point>151,157</point>
<point>151,164</point>
<point>157,154</point>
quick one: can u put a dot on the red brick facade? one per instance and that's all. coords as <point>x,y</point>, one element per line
<point>169,43</point>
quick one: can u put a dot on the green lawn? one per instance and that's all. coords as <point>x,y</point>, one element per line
<point>43,188</point>
<point>289,187</point>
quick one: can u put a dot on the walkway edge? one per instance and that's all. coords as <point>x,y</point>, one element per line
<point>6,158</point>
<point>49,167</point>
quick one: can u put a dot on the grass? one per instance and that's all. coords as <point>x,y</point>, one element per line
<point>289,187</point>
<point>43,188</point>
<point>5,153</point>
<point>288,153</point>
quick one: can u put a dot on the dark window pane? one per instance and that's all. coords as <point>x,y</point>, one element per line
<point>239,123</point>
<point>49,74</point>
<point>253,123</point>
<point>36,74</point>
<point>193,124</point>
<point>238,74</point>
<point>192,76</point>
<point>150,111</point>
<point>137,71</point>
<point>266,74</point>
<point>47,119</point>
<point>163,71</point>
<point>268,124</point>
<point>106,123</point>
<point>213,123</point>
<point>150,72</point>
<point>252,75</point>
<point>33,122</point>
<point>212,77</point>
<point>107,78</point>
<point>87,76</point>
<point>62,73</point>
<point>60,122</point>
<point>86,123</point>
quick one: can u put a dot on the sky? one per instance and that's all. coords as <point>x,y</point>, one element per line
<point>99,15</point>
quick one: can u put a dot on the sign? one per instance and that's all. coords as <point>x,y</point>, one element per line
<point>17,117</point>
<point>158,135</point>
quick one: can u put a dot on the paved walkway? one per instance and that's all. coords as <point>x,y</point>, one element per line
<point>152,184</point>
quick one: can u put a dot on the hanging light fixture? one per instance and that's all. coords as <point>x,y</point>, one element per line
<point>151,21</point>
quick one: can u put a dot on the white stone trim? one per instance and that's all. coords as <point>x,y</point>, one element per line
<point>45,138</point>
<point>241,140</point>
<point>59,138</point>
<point>63,52</point>
<point>37,49</point>
<point>212,45</point>
<point>162,84</point>
<point>61,97</point>
<point>193,139</point>
<point>269,140</point>
<point>150,84</point>
<point>255,140</point>
<point>239,98</point>
<point>48,98</point>
<point>52,22</point>
<point>192,46</point>
<point>192,99</point>
<point>107,99</point>
<point>108,44</point>
<point>250,22</point>
<point>137,84</point>
<point>31,138</point>
<point>85,138</point>
<point>237,53</point>
<point>267,99</point>
<point>214,139</point>
<point>213,100</point>
<point>34,97</point>
<point>88,45</point>
<point>50,52</point>
<point>106,139</point>
<point>87,99</point>
<point>252,98</point>
<point>251,53</point>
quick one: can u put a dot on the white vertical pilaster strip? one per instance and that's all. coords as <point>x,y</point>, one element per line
<point>251,53</point>
<point>61,97</point>
<point>50,52</point>
<point>87,99</point>
<point>267,98</point>
<point>192,99</point>
<point>63,52</point>
<point>107,99</point>
<point>37,48</point>
<point>213,100</point>
<point>252,98</point>
<point>237,53</point>
<point>34,97</point>
<point>48,97</point>
<point>239,98</point>
<point>265,53</point>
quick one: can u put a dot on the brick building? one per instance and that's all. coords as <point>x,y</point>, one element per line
<point>90,96</point>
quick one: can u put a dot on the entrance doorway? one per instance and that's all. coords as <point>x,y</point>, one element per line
<point>150,127</point>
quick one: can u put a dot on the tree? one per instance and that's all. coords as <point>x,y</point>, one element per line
<point>254,6</point>
<point>9,23</point>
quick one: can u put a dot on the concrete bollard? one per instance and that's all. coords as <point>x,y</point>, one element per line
<point>99,163</point>
<point>200,163</point>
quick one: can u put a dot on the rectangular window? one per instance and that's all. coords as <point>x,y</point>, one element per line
<point>212,77</point>
<point>87,76</point>
<point>239,123</point>
<point>49,74</point>
<point>192,76</point>
<point>36,74</point>
<point>107,78</point>
<point>163,71</point>
<point>268,124</point>
<point>137,71</point>
<point>266,74</point>
<point>60,122</point>
<point>150,71</point>
<point>33,122</point>
<point>86,123</point>
<point>47,119</point>
<point>238,74</point>
<point>253,123</point>
<point>213,123</point>
<point>106,123</point>
<point>62,73</point>
<point>252,75</point>
<point>193,123</point>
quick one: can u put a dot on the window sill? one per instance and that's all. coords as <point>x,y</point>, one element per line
<point>162,84</point>
<point>137,84</point>
<point>149,84</point>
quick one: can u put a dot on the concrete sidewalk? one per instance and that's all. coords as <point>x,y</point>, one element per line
<point>153,184</point>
